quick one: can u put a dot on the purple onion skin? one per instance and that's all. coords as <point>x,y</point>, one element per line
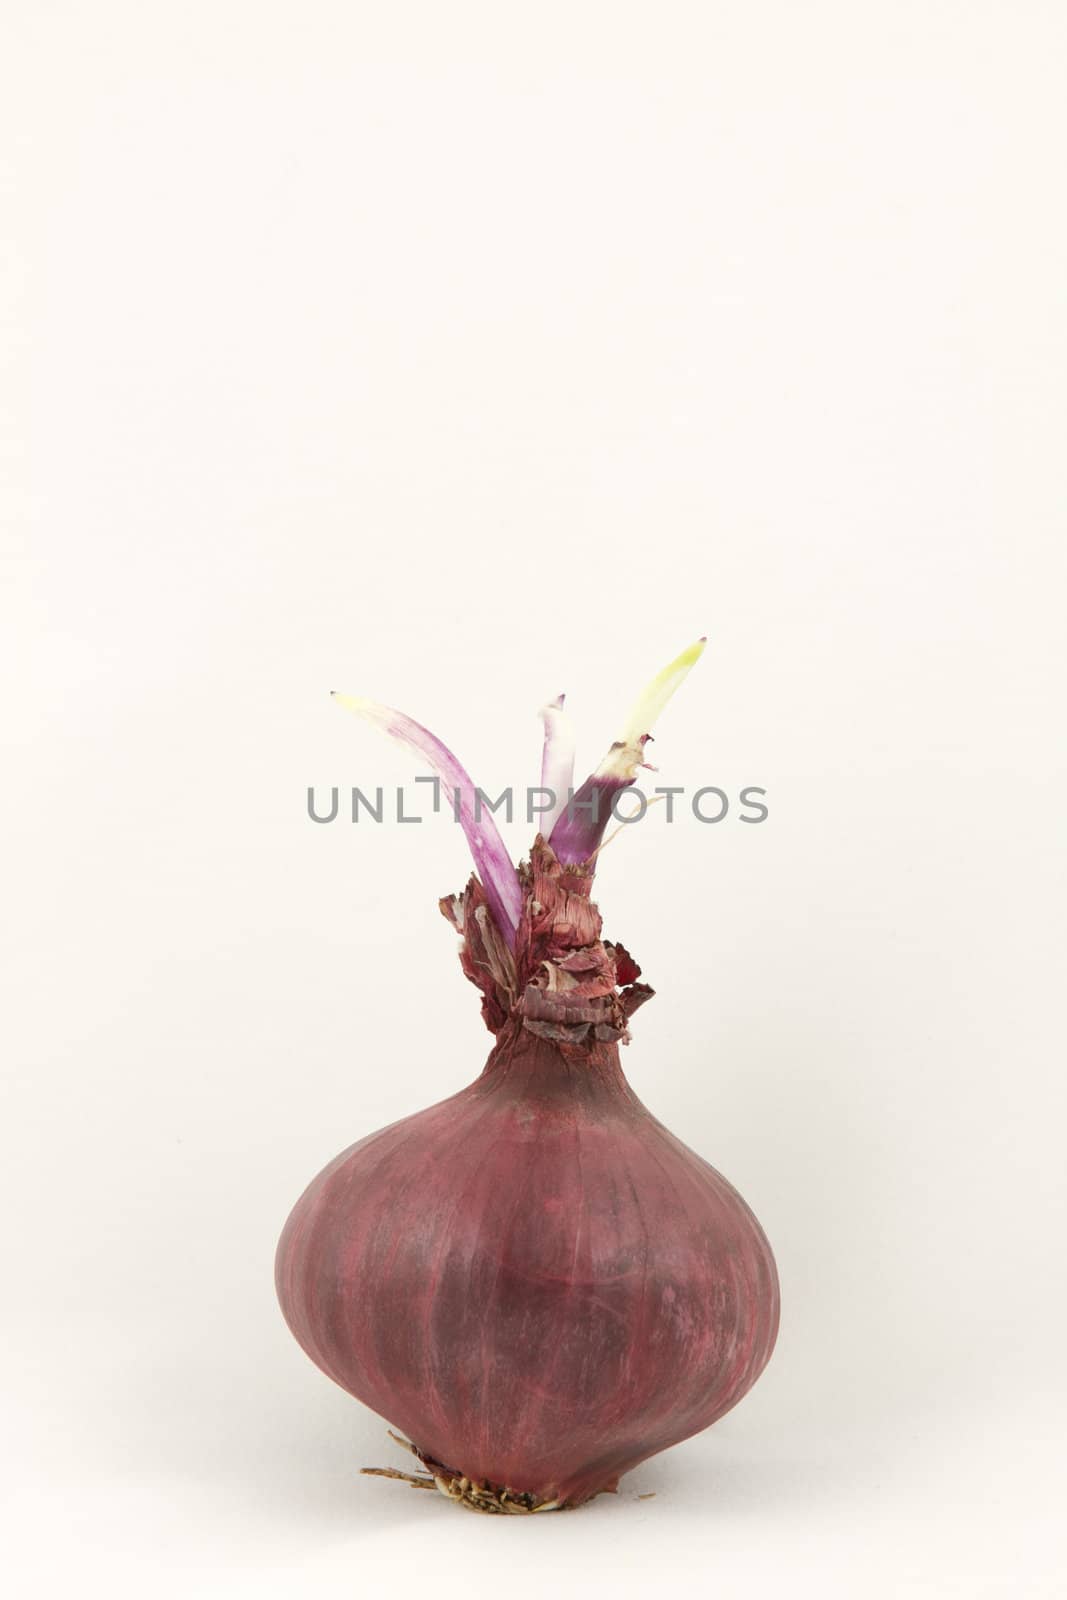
<point>534,1280</point>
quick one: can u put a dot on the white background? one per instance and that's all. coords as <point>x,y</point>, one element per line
<point>458,355</point>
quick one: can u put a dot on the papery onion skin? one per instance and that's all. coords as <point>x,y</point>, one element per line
<point>533,1279</point>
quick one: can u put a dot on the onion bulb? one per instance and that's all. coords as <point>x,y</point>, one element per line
<point>534,1280</point>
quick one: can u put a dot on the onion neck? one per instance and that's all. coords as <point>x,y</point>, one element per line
<point>542,1069</point>
<point>560,980</point>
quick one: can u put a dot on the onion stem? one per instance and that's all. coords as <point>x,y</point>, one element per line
<point>491,859</point>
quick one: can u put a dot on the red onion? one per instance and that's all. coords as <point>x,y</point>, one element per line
<point>534,1279</point>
